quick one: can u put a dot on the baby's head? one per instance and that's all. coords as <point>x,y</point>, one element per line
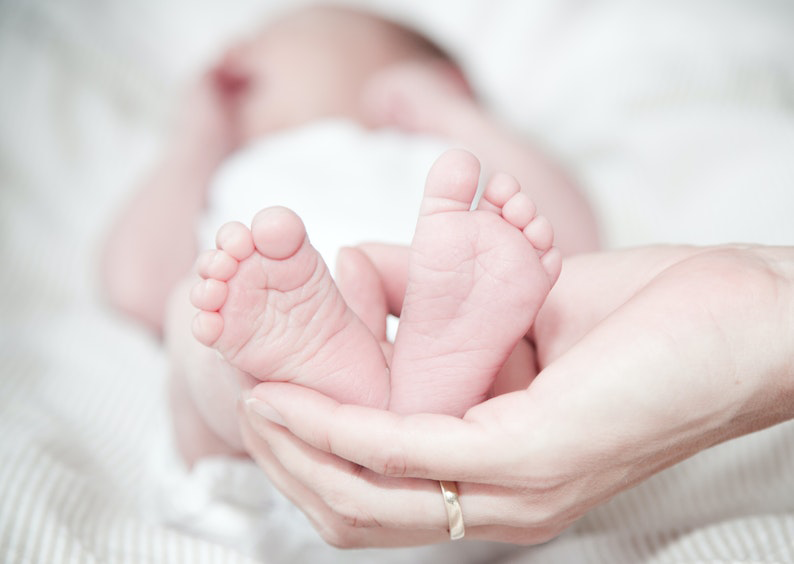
<point>313,63</point>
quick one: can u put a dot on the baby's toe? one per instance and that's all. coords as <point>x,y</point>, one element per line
<point>540,233</point>
<point>216,264</point>
<point>551,261</point>
<point>519,211</point>
<point>235,238</point>
<point>207,327</point>
<point>451,183</point>
<point>278,232</point>
<point>499,190</point>
<point>209,295</point>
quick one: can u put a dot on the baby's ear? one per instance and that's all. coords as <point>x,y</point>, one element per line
<point>457,79</point>
<point>230,71</point>
<point>230,79</point>
<point>400,94</point>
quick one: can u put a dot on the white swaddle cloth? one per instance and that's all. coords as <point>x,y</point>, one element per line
<point>349,185</point>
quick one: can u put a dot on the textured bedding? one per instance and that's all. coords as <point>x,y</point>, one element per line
<point>676,116</point>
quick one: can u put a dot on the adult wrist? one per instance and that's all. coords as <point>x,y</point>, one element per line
<point>775,357</point>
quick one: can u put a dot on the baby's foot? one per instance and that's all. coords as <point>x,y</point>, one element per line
<point>270,308</point>
<point>476,280</point>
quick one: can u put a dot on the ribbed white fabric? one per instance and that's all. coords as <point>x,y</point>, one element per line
<point>677,116</point>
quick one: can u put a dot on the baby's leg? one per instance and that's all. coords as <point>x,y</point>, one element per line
<point>476,279</point>
<point>203,388</point>
<point>274,313</point>
<point>420,97</point>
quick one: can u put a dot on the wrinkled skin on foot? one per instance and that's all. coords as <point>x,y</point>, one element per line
<point>649,356</point>
<point>476,279</point>
<point>270,308</point>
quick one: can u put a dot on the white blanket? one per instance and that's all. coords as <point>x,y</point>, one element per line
<point>676,115</point>
<point>347,184</point>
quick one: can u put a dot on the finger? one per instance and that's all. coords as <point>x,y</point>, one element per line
<point>356,494</point>
<point>338,496</point>
<point>333,527</point>
<point>360,285</point>
<point>391,263</point>
<point>437,447</point>
<point>256,445</point>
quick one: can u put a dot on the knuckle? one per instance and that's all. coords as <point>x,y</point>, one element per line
<point>391,458</point>
<point>348,512</point>
<point>331,531</point>
<point>337,537</point>
<point>355,520</point>
<point>351,515</point>
<point>543,510</point>
<point>392,464</point>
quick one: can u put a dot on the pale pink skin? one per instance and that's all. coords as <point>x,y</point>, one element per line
<point>477,280</point>
<point>269,306</point>
<point>428,98</point>
<point>649,356</point>
<point>306,66</point>
<point>250,93</point>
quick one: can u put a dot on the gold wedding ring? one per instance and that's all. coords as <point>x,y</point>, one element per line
<point>452,504</point>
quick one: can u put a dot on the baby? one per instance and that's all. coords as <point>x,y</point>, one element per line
<point>268,308</point>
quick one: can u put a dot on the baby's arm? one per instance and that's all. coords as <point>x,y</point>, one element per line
<point>152,245</point>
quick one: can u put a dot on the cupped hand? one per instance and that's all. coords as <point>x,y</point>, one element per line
<point>379,487</point>
<point>649,356</point>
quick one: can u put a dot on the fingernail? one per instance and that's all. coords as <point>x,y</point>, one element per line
<point>265,410</point>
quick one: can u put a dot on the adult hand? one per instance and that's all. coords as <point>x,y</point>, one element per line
<point>648,356</point>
